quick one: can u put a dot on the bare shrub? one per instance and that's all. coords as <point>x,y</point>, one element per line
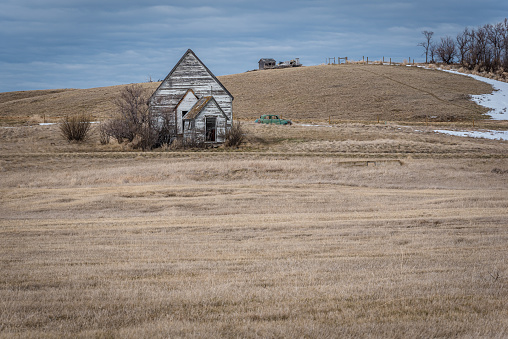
<point>103,134</point>
<point>76,128</point>
<point>235,135</point>
<point>190,142</point>
<point>499,171</point>
<point>119,130</point>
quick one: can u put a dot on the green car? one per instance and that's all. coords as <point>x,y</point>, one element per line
<point>272,119</point>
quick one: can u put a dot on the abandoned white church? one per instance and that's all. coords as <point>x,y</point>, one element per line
<point>196,105</point>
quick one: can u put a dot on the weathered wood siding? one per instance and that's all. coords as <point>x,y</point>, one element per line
<point>184,106</point>
<point>196,128</point>
<point>173,97</point>
<point>266,63</point>
<point>190,73</point>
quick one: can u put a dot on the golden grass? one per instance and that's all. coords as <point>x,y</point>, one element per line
<point>356,229</point>
<point>343,92</point>
<point>53,105</point>
<point>13,96</point>
<point>356,92</point>
<point>338,140</point>
<point>234,245</point>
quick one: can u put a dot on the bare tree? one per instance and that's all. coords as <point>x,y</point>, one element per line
<point>484,48</point>
<point>495,37</point>
<point>479,48</point>
<point>432,52</point>
<point>505,44</point>
<point>135,122</point>
<point>427,43</point>
<point>463,41</point>
<point>446,50</point>
<point>132,104</point>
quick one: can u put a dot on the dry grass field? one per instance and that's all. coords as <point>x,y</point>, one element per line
<point>305,94</point>
<point>353,229</point>
<point>356,92</point>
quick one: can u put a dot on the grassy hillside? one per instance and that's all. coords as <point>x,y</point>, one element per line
<point>15,96</point>
<point>51,105</point>
<point>345,92</point>
<point>356,92</point>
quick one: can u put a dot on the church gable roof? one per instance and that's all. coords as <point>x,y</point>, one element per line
<point>186,57</point>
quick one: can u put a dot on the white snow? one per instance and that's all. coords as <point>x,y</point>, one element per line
<point>497,101</point>
<point>312,125</point>
<point>55,123</point>
<point>486,134</point>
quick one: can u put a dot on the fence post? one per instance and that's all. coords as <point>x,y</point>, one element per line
<point>367,60</point>
<point>346,60</point>
<point>390,61</point>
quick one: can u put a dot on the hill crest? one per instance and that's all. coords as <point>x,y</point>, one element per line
<point>313,93</point>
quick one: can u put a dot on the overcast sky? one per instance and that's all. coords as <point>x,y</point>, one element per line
<point>92,43</point>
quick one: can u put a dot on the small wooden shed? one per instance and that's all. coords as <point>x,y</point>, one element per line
<point>266,63</point>
<point>193,102</point>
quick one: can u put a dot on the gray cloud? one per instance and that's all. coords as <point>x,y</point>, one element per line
<point>92,43</point>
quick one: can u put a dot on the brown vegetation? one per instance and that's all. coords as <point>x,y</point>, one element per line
<point>342,92</point>
<point>51,106</point>
<point>310,231</point>
<point>356,93</point>
<point>357,229</point>
<point>134,120</point>
<point>234,135</point>
<point>338,140</point>
<point>76,128</point>
<point>228,245</point>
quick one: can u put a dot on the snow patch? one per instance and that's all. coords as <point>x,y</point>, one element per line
<point>56,123</point>
<point>312,125</point>
<point>497,101</point>
<point>488,134</point>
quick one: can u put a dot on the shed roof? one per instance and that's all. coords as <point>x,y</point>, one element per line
<point>200,105</point>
